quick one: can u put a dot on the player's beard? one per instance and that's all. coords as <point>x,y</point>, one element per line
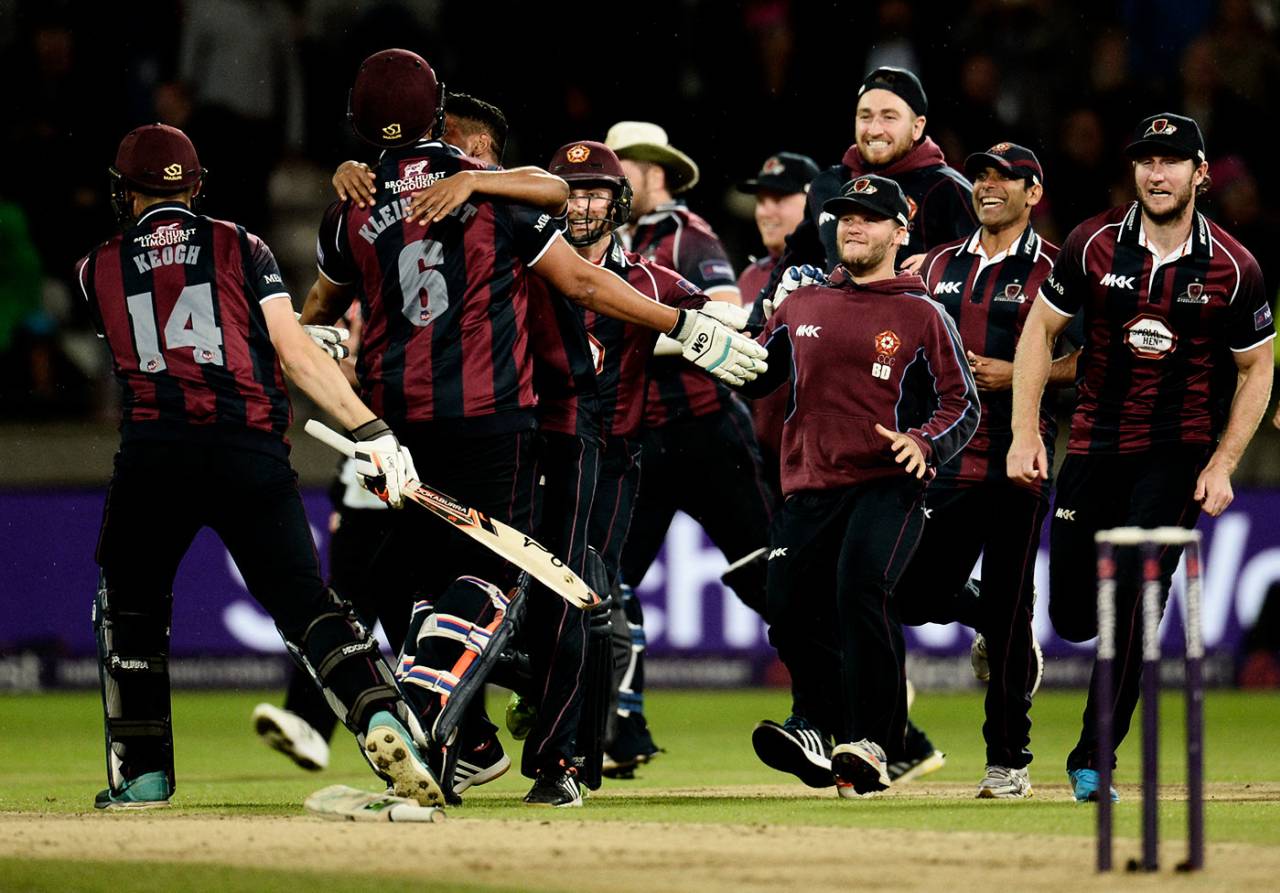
<point>873,258</point>
<point>1181,200</point>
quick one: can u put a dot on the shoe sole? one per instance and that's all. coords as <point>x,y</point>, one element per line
<point>572,804</point>
<point>131,807</point>
<point>992,794</point>
<point>865,777</point>
<point>391,754</point>
<point>927,766</point>
<point>484,776</point>
<point>778,750</point>
<point>276,739</point>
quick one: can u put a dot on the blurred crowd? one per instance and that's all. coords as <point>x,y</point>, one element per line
<point>261,87</point>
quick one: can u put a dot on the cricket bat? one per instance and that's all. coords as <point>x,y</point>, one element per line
<point>344,803</point>
<point>520,549</point>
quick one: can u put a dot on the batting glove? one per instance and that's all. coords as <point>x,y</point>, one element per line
<point>382,464</point>
<point>712,346</point>
<point>792,278</point>
<point>731,315</point>
<point>329,338</point>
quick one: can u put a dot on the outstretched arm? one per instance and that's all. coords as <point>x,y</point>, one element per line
<point>529,185</point>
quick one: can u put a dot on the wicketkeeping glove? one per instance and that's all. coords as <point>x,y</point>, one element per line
<point>792,278</point>
<point>329,338</point>
<point>382,464</point>
<point>712,346</point>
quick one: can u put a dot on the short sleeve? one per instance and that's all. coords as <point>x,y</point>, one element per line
<point>702,260</point>
<point>533,232</point>
<point>333,251</point>
<point>267,283</point>
<point>1250,322</point>
<point>676,291</point>
<point>1066,286</point>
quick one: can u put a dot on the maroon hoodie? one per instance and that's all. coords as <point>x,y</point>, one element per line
<point>857,355</point>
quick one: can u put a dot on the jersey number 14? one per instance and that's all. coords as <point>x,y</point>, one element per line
<point>191,324</point>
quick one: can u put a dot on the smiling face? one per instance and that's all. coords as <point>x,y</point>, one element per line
<point>1166,184</point>
<point>777,215</point>
<point>865,240</point>
<point>588,214</point>
<point>885,127</point>
<point>1001,202</point>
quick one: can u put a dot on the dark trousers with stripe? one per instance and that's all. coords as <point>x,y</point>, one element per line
<point>616,489</point>
<point>835,559</point>
<point>250,500</point>
<point>493,472</point>
<point>1001,521</point>
<point>1096,492</point>
<point>554,633</point>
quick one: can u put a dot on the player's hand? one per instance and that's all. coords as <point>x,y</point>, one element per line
<point>1027,460</point>
<point>383,465</point>
<point>792,278</point>
<point>724,353</point>
<point>912,264</point>
<point>354,180</point>
<point>330,339</point>
<point>731,315</point>
<point>990,374</point>
<point>905,449</point>
<point>1213,489</point>
<point>439,200</point>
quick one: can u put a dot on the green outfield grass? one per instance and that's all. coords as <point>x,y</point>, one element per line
<point>51,760</point>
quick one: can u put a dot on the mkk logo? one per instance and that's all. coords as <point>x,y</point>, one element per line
<point>1111,280</point>
<point>1065,514</point>
<point>808,331</point>
<point>947,288</point>
<point>778,553</point>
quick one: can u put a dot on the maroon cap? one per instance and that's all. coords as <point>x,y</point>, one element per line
<point>586,161</point>
<point>1012,160</point>
<point>158,158</point>
<point>395,100</point>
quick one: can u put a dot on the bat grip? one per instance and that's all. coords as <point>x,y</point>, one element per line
<point>326,435</point>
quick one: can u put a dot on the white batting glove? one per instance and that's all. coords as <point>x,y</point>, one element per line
<point>712,346</point>
<point>731,315</point>
<point>792,278</point>
<point>382,464</point>
<point>329,338</point>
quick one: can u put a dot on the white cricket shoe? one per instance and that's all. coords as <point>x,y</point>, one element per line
<point>1003,783</point>
<point>292,735</point>
<point>861,766</point>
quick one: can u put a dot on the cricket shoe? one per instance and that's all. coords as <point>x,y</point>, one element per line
<point>148,790</point>
<point>795,747</point>
<point>521,716</point>
<point>480,764</point>
<point>391,749</point>
<point>1004,783</point>
<point>555,786</point>
<point>292,735</point>
<point>631,746</point>
<point>982,666</point>
<point>860,768</point>
<point>1084,785</point>
<point>921,757</point>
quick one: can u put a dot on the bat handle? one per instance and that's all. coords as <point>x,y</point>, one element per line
<point>326,435</point>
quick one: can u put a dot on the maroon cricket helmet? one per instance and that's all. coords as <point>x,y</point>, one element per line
<point>585,163</point>
<point>396,99</point>
<point>157,159</point>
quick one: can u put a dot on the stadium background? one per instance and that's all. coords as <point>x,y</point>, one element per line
<point>262,87</point>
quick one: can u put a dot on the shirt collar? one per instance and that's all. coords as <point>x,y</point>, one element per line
<point>1027,243</point>
<point>1133,233</point>
<point>165,208</point>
